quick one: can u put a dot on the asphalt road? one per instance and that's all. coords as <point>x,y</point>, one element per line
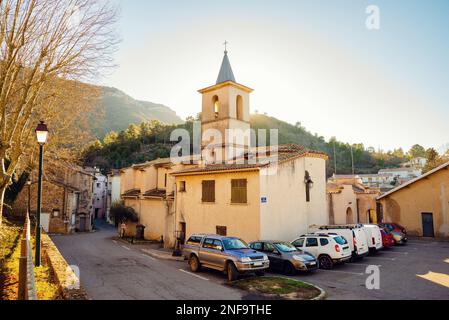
<point>113,271</point>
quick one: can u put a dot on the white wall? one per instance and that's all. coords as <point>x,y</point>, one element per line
<point>286,214</point>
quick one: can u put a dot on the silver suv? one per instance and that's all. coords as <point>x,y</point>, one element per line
<point>228,254</point>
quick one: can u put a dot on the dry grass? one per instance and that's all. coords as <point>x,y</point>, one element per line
<point>9,269</point>
<point>281,288</point>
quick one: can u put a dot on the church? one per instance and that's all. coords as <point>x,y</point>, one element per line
<point>276,192</point>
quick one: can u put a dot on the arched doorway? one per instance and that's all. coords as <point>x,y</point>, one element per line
<point>349,216</point>
<point>372,216</point>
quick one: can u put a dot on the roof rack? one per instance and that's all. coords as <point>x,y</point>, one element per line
<point>348,226</point>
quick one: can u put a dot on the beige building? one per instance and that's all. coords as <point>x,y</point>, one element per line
<point>252,193</point>
<point>67,199</point>
<point>421,205</point>
<point>350,201</point>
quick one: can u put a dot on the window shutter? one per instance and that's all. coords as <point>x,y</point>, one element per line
<point>208,191</point>
<point>239,193</point>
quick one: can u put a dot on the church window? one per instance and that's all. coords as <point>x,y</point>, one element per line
<point>239,191</point>
<point>208,191</point>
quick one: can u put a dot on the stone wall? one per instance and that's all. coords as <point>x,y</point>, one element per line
<point>65,278</point>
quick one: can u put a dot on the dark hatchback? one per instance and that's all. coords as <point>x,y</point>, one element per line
<point>284,257</point>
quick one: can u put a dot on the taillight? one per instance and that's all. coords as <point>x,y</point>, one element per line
<point>337,248</point>
<point>355,242</point>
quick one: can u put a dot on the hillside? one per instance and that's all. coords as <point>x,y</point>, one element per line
<point>150,140</point>
<point>119,110</point>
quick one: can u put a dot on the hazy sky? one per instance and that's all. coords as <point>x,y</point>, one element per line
<point>309,61</point>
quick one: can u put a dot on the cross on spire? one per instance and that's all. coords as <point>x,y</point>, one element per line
<point>226,45</point>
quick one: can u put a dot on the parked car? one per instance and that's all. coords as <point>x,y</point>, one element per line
<point>374,237</point>
<point>393,227</point>
<point>285,257</point>
<point>228,254</point>
<point>354,234</point>
<point>387,238</point>
<point>399,233</point>
<point>328,249</point>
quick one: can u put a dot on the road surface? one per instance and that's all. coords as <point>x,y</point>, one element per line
<point>111,270</point>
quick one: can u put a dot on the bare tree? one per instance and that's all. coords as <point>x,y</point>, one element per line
<point>42,44</point>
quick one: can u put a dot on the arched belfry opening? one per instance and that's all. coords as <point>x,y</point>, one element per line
<point>216,106</point>
<point>239,107</point>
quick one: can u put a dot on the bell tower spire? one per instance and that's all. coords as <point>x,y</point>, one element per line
<point>226,73</point>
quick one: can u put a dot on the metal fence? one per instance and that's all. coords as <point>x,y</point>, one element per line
<point>27,284</point>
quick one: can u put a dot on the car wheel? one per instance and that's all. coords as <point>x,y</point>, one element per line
<point>289,269</point>
<point>326,262</point>
<point>260,273</point>
<point>194,264</point>
<point>232,272</point>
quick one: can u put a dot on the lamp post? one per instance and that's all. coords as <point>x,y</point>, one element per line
<point>41,134</point>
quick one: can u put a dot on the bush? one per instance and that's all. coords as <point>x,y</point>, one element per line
<point>122,213</point>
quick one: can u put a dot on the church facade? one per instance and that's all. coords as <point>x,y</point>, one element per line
<point>236,188</point>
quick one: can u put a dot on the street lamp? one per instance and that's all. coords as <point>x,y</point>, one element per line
<point>41,135</point>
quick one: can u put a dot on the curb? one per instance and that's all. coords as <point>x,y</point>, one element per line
<point>163,256</point>
<point>322,295</point>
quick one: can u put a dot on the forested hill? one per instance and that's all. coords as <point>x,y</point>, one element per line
<point>118,110</point>
<point>151,140</point>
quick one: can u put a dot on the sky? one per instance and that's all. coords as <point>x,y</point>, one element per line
<point>313,62</point>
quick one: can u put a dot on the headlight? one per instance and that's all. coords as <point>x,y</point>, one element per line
<point>265,258</point>
<point>245,260</point>
<point>299,258</point>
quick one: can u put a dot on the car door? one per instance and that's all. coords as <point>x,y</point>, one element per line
<point>209,253</point>
<point>275,257</point>
<point>311,246</point>
<point>299,243</point>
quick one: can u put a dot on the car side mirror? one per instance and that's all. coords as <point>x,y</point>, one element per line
<point>276,252</point>
<point>220,249</point>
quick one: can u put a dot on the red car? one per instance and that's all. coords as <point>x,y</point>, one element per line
<point>387,238</point>
<point>393,227</point>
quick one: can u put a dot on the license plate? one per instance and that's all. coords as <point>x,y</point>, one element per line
<point>258,264</point>
<point>312,263</point>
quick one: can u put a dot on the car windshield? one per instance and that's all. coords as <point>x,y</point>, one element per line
<point>340,240</point>
<point>234,244</point>
<point>285,247</point>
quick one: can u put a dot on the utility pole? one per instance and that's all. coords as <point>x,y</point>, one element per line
<point>335,159</point>
<point>352,160</point>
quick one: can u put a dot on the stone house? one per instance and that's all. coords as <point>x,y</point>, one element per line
<point>420,205</point>
<point>350,201</point>
<point>100,187</point>
<point>66,199</point>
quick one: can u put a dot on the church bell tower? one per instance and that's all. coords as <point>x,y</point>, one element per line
<point>225,107</point>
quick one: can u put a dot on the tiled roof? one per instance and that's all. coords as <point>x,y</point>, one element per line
<point>155,193</point>
<point>284,153</point>
<point>131,193</point>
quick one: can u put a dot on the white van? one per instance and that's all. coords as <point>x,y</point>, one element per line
<point>354,234</point>
<point>374,237</point>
